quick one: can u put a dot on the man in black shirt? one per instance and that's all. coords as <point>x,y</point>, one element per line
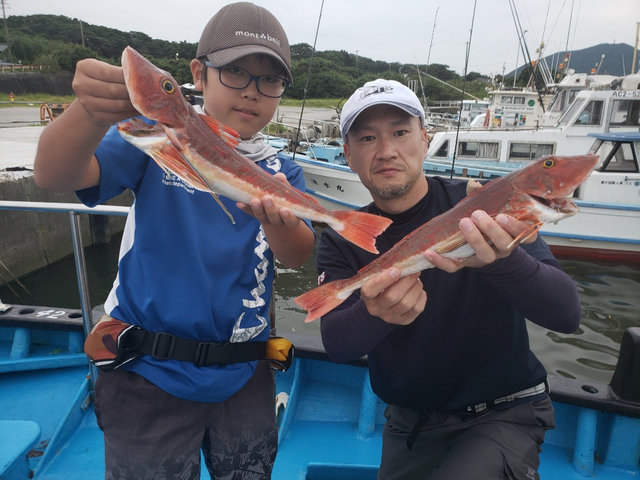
<point>448,347</point>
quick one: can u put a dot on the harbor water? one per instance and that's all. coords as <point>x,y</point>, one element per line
<point>608,293</point>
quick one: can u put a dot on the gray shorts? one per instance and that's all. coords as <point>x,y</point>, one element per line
<point>150,434</point>
<point>497,444</point>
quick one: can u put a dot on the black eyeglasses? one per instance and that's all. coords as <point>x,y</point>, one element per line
<point>238,78</point>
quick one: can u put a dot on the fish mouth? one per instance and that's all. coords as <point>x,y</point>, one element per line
<point>563,205</point>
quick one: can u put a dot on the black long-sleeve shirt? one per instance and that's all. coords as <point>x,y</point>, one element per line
<point>470,344</point>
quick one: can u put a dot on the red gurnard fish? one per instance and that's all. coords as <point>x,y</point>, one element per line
<point>200,150</point>
<point>535,194</point>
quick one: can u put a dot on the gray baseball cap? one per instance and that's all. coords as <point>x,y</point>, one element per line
<point>240,29</point>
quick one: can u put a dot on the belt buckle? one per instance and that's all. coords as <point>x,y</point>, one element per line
<point>160,344</point>
<point>202,350</point>
<point>477,408</point>
<point>202,359</point>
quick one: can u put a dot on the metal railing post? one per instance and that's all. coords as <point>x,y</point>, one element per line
<point>83,284</point>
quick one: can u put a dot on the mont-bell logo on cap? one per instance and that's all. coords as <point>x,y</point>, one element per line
<point>261,36</point>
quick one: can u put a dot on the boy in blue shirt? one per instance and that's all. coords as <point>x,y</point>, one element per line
<point>185,269</point>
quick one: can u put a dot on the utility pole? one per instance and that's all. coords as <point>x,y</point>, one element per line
<point>82,34</point>
<point>6,33</point>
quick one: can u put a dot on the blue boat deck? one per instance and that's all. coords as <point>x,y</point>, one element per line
<point>329,426</point>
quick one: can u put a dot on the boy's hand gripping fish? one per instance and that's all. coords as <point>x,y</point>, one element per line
<point>535,194</point>
<point>200,150</point>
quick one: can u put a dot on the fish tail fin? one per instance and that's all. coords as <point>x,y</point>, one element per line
<point>320,300</point>
<point>361,228</point>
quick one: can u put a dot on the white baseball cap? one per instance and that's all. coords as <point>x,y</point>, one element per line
<point>377,92</point>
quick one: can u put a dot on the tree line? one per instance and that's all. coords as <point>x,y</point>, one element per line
<point>59,42</point>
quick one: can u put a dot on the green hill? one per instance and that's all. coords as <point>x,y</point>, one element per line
<point>59,42</point>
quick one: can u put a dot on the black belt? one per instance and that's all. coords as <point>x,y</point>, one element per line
<point>478,408</point>
<point>527,392</point>
<point>165,346</point>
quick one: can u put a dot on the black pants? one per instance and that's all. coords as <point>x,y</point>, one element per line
<point>150,434</point>
<point>497,444</point>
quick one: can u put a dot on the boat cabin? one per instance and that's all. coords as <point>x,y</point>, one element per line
<point>514,108</point>
<point>592,112</point>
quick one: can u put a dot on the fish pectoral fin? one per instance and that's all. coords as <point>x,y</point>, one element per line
<point>450,244</point>
<point>172,162</point>
<point>216,197</point>
<point>227,134</point>
<point>525,234</point>
<point>137,127</point>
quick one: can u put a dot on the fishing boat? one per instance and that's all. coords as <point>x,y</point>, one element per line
<point>607,227</point>
<point>603,108</point>
<point>329,420</point>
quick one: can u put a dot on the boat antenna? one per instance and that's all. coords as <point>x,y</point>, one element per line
<point>566,45</point>
<point>426,67</point>
<point>464,84</point>
<point>306,85</point>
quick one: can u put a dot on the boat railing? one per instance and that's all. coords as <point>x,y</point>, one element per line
<point>74,211</point>
<point>289,133</point>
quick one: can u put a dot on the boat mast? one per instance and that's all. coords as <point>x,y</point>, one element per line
<point>464,84</point>
<point>306,85</point>
<point>635,49</point>
<point>525,49</point>
<point>426,68</point>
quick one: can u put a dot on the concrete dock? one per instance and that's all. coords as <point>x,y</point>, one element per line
<point>32,240</point>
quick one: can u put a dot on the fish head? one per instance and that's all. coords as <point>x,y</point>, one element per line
<point>153,92</point>
<point>547,185</point>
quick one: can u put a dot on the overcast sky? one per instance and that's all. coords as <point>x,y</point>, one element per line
<point>389,30</point>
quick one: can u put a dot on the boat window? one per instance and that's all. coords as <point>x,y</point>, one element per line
<point>572,95</point>
<point>529,151</point>
<point>518,100</point>
<point>443,151</point>
<point>625,113</point>
<point>506,99</point>
<point>573,109</point>
<point>478,150</point>
<point>618,158</point>
<point>557,102</point>
<point>592,113</point>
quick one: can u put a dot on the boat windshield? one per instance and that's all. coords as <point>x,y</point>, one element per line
<point>619,157</point>
<point>571,112</point>
<point>591,114</point>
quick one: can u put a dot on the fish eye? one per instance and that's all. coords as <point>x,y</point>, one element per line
<point>167,85</point>
<point>548,163</point>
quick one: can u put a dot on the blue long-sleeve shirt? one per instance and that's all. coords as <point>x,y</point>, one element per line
<point>470,344</point>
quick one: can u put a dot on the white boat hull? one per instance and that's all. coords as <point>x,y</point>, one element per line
<point>335,186</point>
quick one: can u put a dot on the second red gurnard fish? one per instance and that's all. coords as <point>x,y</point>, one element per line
<point>200,150</point>
<point>536,194</point>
